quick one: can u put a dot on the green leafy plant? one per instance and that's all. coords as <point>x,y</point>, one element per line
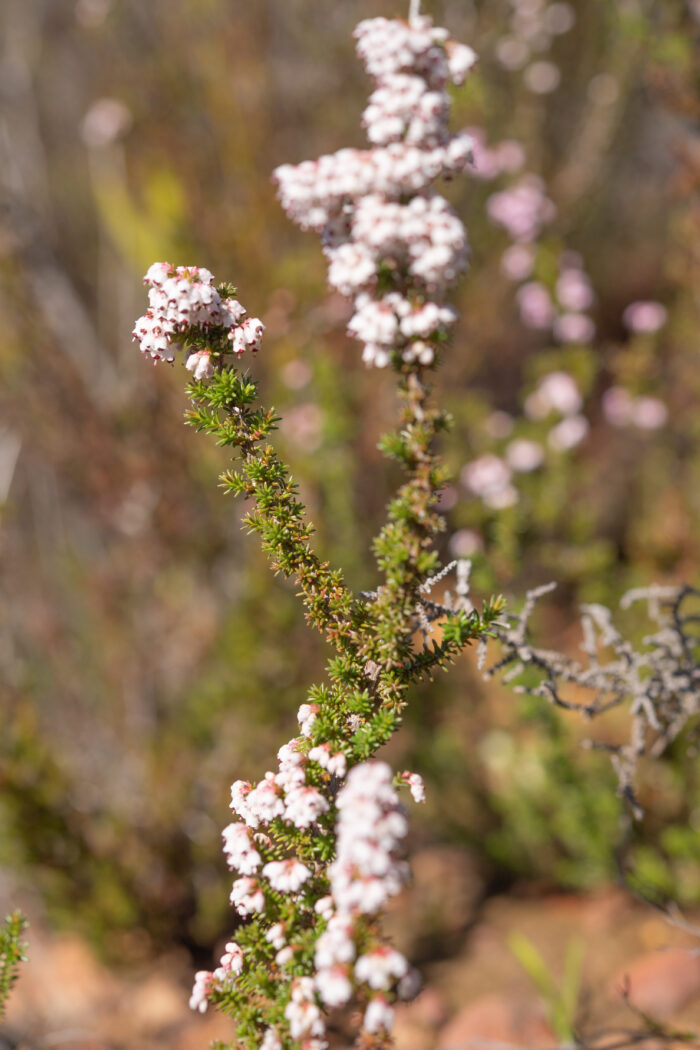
<point>561,997</point>
<point>12,954</point>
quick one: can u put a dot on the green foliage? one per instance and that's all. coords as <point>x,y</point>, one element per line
<point>12,953</point>
<point>562,999</point>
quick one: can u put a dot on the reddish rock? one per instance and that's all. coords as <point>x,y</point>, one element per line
<point>662,982</point>
<point>63,984</point>
<point>202,1031</point>
<point>156,1003</point>
<point>499,1019</point>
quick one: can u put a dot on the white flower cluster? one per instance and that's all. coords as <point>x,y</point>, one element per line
<point>231,964</point>
<point>364,875</point>
<point>392,244</point>
<point>183,298</point>
<point>284,795</point>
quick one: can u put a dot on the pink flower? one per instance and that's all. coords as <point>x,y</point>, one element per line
<point>232,959</point>
<point>303,1014</point>
<point>200,992</point>
<point>380,967</point>
<point>336,944</point>
<point>574,328</point>
<point>649,413</point>
<point>324,907</point>
<point>335,764</point>
<point>415,784</point>
<point>247,336</point>
<point>542,77</point>
<point>284,955</point>
<point>182,298</point>
<point>271,1040</point>
<point>107,120</point>
<point>286,876</point>
<point>264,802</point>
<point>306,716</point>
<point>276,936</point>
<point>239,849</point>
<point>247,897</point>
<point>518,261</point>
<point>466,542</point>
<point>645,317</point>
<point>574,290</point>
<point>568,434</point>
<point>303,805</point>
<point>524,455</point>
<point>379,1016</point>
<point>535,305</point>
<point>487,474</point>
<point>523,209</point>
<point>489,477</point>
<point>617,406</point>
<point>200,365</point>
<point>556,392</point>
<point>334,985</point>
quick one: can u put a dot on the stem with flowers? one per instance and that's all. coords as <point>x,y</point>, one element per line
<point>315,844</point>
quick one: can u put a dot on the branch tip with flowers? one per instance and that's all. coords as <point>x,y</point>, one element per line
<point>316,844</point>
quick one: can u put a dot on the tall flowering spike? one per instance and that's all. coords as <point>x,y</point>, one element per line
<point>184,306</point>
<point>393,245</point>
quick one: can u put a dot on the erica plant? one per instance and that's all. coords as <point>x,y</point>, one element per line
<point>12,949</point>
<point>316,844</point>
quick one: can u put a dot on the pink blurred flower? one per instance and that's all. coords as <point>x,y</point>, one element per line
<point>303,424</point>
<point>574,328</point>
<point>556,392</point>
<point>559,18</point>
<point>512,52</point>
<point>617,406</point>
<point>568,434</point>
<point>524,455</point>
<point>645,317</point>
<point>489,478</point>
<point>542,77</point>
<point>522,209</point>
<point>465,542</point>
<point>107,120</point>
<point>574,290</point>
<point>649,413</point>
<point>486,474</point>
<point>517,262</point>
<point>499,424</point>
<point>535,304</point>
<point>511,155</point>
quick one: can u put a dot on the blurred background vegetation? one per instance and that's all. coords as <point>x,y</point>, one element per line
<point>147,656</point>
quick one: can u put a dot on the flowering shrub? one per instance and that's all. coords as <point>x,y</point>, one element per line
<point>315,844</point>
<point>12,954</point>
<point>171,620</point>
